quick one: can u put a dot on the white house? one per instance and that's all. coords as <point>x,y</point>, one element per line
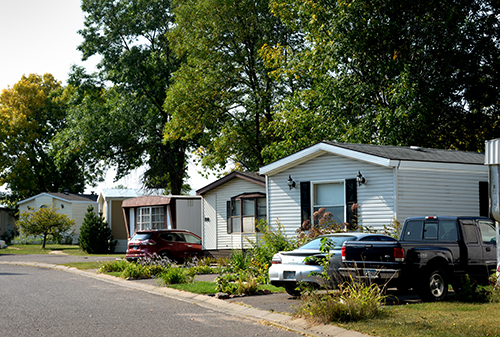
<point>110,205</point>
<point>230,208</point>
<point>73,205</point>
<point>386,182</point>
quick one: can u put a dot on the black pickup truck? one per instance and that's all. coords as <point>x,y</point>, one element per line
<point>431,253</point>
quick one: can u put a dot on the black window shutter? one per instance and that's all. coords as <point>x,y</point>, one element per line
<point>351,197</point>
<point>228,213</point>
<point>305,201</point>
<point>484,200</point>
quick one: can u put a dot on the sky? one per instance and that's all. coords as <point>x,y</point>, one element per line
<point>41,36</point>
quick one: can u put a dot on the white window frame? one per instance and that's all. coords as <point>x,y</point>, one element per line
<point>149,225</point>
<point>313,199</point>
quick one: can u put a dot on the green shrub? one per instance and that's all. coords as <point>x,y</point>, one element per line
<point>353,302</point>
<point>468,291</point>
<point>239,260</point>
<point>113,266</point>
<point>225,283</point>
<point>175,275</point>
<point>135,271</point>
<point>95,235</point>
<point>269,241</point>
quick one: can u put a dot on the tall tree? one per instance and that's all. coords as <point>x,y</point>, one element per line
<point>223,96</point>
<point>32,111</point>
<point>123,125</point>
<point>393,72</point>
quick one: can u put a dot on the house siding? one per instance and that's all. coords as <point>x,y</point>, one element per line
<point>376,198</point>
<point>188,214</point>
<point>439,192</point>
<point>225,192</point>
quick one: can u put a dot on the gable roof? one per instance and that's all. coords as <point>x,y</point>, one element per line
<point>254,177</point>
<point>376,154</point>
<point>70,197</point>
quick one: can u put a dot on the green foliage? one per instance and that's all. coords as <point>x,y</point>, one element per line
<point>175,275</point>
<point>386,72</point>
<point>113,266</point>
<point>95,235</point>
<point>32,111</point>
<point>353,302</point>
<point>123,125</point>
<point>269,241</point>
<point>136,271</point>
<point>223,96</point>
<point>45,221</point>
<point>470,292</point>
<point>240,260</point>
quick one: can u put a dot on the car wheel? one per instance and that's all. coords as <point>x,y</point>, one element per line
<point>167,254</point>
<point>291,290</point>
<point>434,286</point>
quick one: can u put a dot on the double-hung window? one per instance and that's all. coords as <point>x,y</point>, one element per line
<point>329,197</point>
<point>150,218</point>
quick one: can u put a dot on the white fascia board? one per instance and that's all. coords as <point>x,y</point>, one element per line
<point>442,166</point>
<point>317,150</point>
<point>34,197</point>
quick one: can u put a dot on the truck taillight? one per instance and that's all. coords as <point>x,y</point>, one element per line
<point>343,253</point>
<point>399,254</point>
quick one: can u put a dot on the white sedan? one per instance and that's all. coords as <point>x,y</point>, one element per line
<point>290,268</point>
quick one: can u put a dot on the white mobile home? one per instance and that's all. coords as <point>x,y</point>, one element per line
<point>230,209</point>
<point>385,182</point>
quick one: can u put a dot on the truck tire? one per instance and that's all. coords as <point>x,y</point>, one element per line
<point>434,285</point>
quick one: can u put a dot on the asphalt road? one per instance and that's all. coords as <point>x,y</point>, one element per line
<point>45,302</point>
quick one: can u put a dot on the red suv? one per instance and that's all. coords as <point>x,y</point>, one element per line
<point>176,244</point>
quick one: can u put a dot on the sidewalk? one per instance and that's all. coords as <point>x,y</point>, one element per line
<point>227,307</point>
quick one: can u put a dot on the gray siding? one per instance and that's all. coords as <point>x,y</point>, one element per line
<point>376,198</point>
<point>439,192</point>
<point>189,215</point>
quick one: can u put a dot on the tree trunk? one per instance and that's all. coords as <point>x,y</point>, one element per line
<point>44,240</point>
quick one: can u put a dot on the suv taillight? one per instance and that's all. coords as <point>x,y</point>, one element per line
<point>399,254</point>
<point>148,242</point>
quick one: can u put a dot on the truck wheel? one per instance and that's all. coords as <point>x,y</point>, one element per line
<point>290,289</point>
<point>434,286</point>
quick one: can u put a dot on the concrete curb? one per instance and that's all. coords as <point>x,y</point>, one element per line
<point>280,320</point>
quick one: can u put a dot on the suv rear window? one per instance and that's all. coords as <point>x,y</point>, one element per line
<point>141,237</point>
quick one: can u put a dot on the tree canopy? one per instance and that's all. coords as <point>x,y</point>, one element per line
<point>223,96</point>
<point>392,73</point>
<point>32,111</point>
<point>118,116</point>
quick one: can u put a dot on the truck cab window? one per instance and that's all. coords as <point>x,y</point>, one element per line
<point>488,232</point>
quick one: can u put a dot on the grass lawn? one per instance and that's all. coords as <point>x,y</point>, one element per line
<point>37,249</point>
<point>433,319</point>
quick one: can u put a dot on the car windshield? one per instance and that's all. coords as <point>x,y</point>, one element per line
<point>336,241</point>
<point>141,237</point>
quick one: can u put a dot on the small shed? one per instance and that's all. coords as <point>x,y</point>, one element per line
<point>374,185</point>
<point>230,209</point>
<point>73,205</point>
<point>110,205</point>
<point>162,212</point>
